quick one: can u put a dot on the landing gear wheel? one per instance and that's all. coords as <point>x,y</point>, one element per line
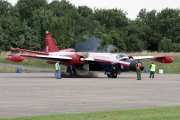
<point>108,75</point>
<point>74,71</point>
<point>112,75</point>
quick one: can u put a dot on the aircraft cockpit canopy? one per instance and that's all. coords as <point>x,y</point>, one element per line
<point>121,56</point>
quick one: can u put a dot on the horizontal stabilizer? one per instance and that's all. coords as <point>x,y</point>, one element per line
<point>30,51</point>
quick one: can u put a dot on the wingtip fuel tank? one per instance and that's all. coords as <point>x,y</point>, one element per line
<point>14,58</point>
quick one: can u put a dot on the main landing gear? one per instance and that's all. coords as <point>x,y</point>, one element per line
<point>74,72</point>
<point>71,70</point>
<point>111,74</point>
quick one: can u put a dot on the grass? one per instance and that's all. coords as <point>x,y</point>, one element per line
<point>163,113</point>
<point>167,68</point>
<point>4,69</point>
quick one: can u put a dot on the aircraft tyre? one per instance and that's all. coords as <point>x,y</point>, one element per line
<point>112,75</point>
<point>109,76</point>
<point>74,71</point>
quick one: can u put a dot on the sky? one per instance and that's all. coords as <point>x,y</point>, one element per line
<point>131,7</point>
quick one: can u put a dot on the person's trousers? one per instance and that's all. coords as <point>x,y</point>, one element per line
<point>58,74</point>
<point>151,74</point>
<point>138,74</point>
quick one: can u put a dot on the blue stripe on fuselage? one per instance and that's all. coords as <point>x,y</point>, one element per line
<point>101,66</point>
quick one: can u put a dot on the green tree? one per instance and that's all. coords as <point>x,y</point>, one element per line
<point>26,8</point>
<point>4,43</point>
<point>41,21</point>
<point>111,18</point>
<point>85,12</point>
<point>24,25</point>
<point>147,22</point>
<point>28,38</point>
<point>134,43</point>
<point>117,41</point>
<point>176,47</point>
<point>165,45</point>
<point>11,25</point>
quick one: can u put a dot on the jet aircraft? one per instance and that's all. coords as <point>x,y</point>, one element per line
<point>110,63</point>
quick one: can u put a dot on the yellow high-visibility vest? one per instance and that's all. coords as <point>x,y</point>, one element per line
<point>56,66</point>
<point>153,67</point>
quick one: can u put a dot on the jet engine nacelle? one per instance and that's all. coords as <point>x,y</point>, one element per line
<point>77,59</point>
<point>133,65</point>
<point>14,58</point>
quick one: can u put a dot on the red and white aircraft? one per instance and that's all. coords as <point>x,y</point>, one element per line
<point>111,63</point>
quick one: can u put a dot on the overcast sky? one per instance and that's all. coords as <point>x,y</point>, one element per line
<point>131,7</point>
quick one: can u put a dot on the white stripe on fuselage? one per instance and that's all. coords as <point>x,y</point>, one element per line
<point>111,57</point>
<point>61,53</point>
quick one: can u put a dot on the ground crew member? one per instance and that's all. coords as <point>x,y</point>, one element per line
<point>138,70</point>
<point>152,70</point>
<point>58,72</point>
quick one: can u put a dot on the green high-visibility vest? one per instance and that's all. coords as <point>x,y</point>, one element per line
<point>153,67</point>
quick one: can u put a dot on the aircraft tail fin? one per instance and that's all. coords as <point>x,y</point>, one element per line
<point>50,44</point>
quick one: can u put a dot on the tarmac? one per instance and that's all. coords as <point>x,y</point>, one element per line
<point>29,94</point>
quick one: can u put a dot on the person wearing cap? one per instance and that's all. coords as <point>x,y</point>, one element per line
<point>152,70</point>
<point>58,72</point>
<point>138,70</point>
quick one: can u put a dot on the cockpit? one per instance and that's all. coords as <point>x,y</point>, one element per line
<point>122,56</point>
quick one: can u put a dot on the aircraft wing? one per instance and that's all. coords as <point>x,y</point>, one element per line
<point>49,58</point>
<point>161,59</point>
<point>20,57</point>
<point>68,59</point>
<point>142,57</point>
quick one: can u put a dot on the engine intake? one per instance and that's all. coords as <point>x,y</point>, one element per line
<point>133,65</point>
<point>77,59</point>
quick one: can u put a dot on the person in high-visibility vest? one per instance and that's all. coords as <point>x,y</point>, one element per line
<point>58,72</point>
<point>152,70</point>
<point>138,70</point>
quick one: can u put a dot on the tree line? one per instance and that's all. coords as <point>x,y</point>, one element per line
<point>24,25</point>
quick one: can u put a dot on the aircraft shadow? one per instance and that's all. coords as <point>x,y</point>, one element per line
<point>79,75</point>
<point>63,75</point>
